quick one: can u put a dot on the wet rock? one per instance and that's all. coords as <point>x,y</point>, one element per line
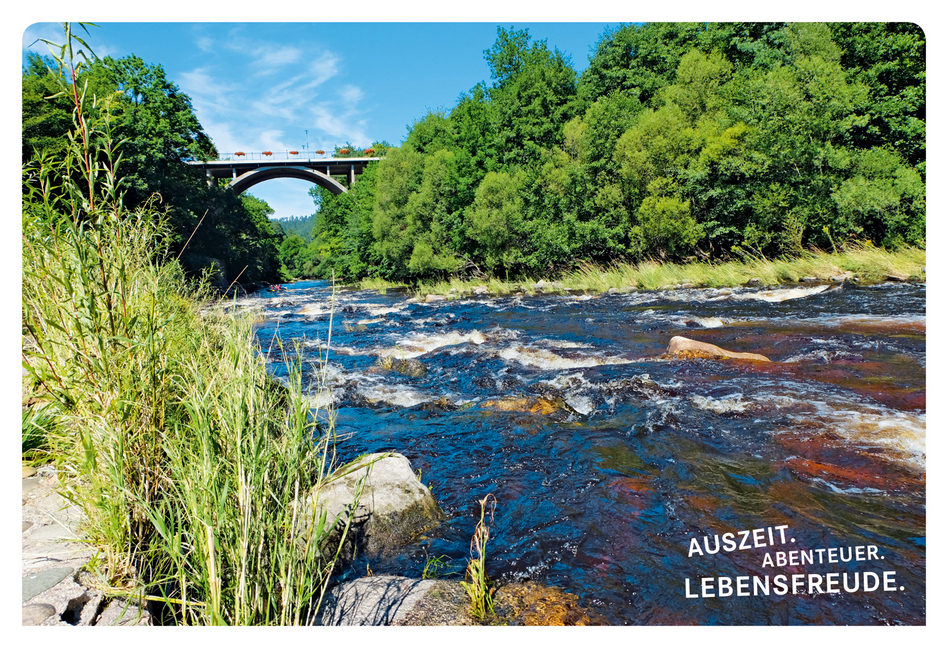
<point>639,386</point>
<point>846,276</point>
<point>34,615</point>
<point>809,280</point>
<point>896,276</point>
<point>541,405</point>
<point>434,298</point>
<point>442,404</point>
<point>754,281</point>
<point>480,290</point>
<point>408,367</point>
<point>393,508</point>
<point>28,471</point>
<point>684,348</point>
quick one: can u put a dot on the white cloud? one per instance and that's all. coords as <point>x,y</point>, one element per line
<point>351,94</point>
<point>271,59</point>
<point>252,95</point>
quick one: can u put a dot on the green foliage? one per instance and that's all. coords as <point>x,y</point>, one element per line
<point>679,139</point>
<point>191,466</point>
<point>158,129</point>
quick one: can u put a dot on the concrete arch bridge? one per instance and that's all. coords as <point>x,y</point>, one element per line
<point>244,174</point>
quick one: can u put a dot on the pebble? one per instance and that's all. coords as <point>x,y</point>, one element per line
<point>34,615</point>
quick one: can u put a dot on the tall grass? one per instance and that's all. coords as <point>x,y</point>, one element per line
<point>190,463</point>
<point>865,261</point>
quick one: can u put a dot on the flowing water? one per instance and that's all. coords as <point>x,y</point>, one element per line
<point>618,473</point>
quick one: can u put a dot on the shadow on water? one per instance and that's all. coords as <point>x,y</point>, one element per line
<point>607,461</point>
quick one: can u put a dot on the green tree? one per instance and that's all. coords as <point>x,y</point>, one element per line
<point>532,97</point>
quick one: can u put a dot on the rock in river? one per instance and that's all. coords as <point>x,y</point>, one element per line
<point>393,507</point>
<point>682,347</point>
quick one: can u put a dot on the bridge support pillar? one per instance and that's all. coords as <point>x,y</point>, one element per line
<point>352,174</point>
<point>210,178</point>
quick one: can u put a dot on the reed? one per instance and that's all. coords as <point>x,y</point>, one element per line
<point>476,582</point>
<point>189,462</point>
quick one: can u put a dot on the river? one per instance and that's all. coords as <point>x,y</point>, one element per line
<point>617,473</point>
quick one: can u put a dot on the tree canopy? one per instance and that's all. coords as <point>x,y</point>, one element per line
<point>678,140</point>
<point>156,129</point>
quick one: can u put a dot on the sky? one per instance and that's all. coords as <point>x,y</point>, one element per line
<point>309,86</point>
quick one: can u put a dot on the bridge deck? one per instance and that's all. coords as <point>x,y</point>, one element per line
<point>329,166</point>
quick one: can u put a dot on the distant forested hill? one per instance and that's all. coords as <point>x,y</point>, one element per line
<point>301,226</point>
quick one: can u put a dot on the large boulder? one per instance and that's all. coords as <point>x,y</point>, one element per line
<point>393,506</point>
<point>685,348</point>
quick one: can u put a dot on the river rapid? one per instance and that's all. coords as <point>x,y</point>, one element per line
<point>658,491</point>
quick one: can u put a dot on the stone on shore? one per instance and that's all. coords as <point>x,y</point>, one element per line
<point>393,508</point>
<point>400,601</point>
<point>395,600</point>
<point>685,348</point>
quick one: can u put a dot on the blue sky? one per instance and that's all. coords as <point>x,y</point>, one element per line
<point>283,86</point>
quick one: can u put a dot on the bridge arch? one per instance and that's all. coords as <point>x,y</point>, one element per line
<point>246,180</point>
<point>244,174</point>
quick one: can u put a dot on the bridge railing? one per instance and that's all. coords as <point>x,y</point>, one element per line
<point>242,156</point>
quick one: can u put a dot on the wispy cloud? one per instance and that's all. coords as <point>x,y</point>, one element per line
<point>272,90</point>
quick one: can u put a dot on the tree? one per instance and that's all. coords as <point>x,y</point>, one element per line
<point>532,97</point>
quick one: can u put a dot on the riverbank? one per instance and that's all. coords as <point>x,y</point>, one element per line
<point>865,264</point>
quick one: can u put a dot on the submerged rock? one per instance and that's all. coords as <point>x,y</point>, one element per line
<point>408,367</point>
<point>542,405</point>
<point>684,348</point>
<point>532,604</point>
<point>393,507</point>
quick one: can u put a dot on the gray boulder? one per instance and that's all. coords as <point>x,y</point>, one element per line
<point>395,600</point>
<point>393,506</point>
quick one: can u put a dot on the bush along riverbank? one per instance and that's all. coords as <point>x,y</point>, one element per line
<point>188,462</point>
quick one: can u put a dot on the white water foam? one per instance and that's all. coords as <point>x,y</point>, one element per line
<point>781,294</point>
<point>544,359</point>
<point>900,435</point>
<point>421,344</point>
<point>393,394</point>
<point>734,403</point>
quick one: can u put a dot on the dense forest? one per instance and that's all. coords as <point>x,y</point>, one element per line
<point>678,141</point>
